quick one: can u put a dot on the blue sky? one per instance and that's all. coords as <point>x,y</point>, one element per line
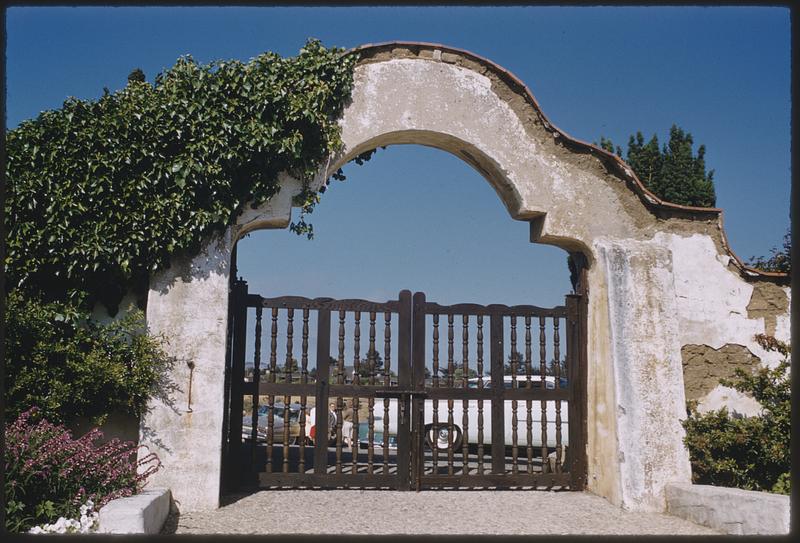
<point>419,218</point>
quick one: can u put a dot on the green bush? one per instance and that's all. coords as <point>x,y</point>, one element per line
<point>101,193</point>
<point>751,453</point>
<point>69,366</point>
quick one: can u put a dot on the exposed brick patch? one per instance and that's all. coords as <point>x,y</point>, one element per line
<point>768,301</point>
<point>704,366</point>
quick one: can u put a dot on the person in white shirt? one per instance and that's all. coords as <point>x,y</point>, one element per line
<point>347,425</point>
<point>311,421</point>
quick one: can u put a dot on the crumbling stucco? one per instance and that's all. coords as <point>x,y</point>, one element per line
<point>768,301</point>
<point>704,366</point>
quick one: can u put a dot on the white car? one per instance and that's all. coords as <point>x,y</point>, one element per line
<point>438,436</point>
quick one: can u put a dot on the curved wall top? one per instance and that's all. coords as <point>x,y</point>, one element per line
<point>573,192</point>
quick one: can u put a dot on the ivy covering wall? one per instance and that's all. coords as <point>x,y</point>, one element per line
<point>101,193</point>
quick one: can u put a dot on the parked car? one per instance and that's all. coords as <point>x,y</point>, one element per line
<point>363,436</point>
<point>437,436</point>
<point>277,424</point>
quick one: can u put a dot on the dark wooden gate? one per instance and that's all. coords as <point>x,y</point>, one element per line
<point>509,413</point>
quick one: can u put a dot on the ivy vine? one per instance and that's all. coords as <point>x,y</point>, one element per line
<point>101,193</point>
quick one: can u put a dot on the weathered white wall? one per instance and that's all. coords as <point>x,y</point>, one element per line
<point>655,284</point>
<point>712,310</point>
<point>646,370</point>
<point>188,303</point>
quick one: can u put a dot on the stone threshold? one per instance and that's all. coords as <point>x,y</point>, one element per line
<point>144,513</point>
<point>730,510</point>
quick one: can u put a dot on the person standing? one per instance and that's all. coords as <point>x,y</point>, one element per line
<point>347,424</point>
<point>311,422</point>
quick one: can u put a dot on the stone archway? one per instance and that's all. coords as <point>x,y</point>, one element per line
<point>646,297</point>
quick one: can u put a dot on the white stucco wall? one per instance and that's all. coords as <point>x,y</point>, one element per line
<point>712,301</point>
<point>188,303</point>
<point>647,372</point>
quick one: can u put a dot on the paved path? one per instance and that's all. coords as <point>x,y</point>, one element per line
<point>426,512</point>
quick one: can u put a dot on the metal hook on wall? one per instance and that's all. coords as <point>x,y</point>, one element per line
<point>190,363</point>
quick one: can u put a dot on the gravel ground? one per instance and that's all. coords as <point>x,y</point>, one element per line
<point>427,512</point>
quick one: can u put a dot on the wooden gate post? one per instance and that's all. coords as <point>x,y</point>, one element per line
<point>576,372</point>
<point>498,394</point>
<point>404,383</point>
<point>238,345</point>
<point>322,388</point>
<point>418,386</point>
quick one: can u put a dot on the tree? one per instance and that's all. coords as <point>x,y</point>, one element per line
<point>365,366</point>
<point>781,259</point>
<point>136,75</point>
<point>293,367</point>
<point>518,359</point>
<point>458,373</point>
<point>673,173</point>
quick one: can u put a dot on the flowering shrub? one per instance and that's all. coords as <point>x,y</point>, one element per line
<point>87,523</point>
<point>48,474</point>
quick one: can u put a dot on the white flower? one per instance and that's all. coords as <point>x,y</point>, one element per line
<point>87,523</point>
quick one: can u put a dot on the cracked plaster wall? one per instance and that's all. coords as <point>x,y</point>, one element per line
<point>720,310</point>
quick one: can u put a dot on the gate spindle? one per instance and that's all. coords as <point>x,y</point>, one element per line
<point>387,357</point>
<point>480,387</point>
<point>464,384</point>
<point>450,375</point>
<point>303,398</point>
<point>543,372</point>
<point>514,419</point>
<point>435,383</point>
<point>256,382</point>
<point>371,358</point>
<point>339,399</point>
<point>273,370</point>
<point>287,369</point>
<point>356,382</point>
<point>529,385</point>
<point>557,372</point>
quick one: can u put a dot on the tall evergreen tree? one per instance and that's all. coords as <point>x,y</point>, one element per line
<point>136,75</point>
<point>672,173</point>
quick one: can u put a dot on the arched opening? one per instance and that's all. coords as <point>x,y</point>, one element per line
<point>413,217</point>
